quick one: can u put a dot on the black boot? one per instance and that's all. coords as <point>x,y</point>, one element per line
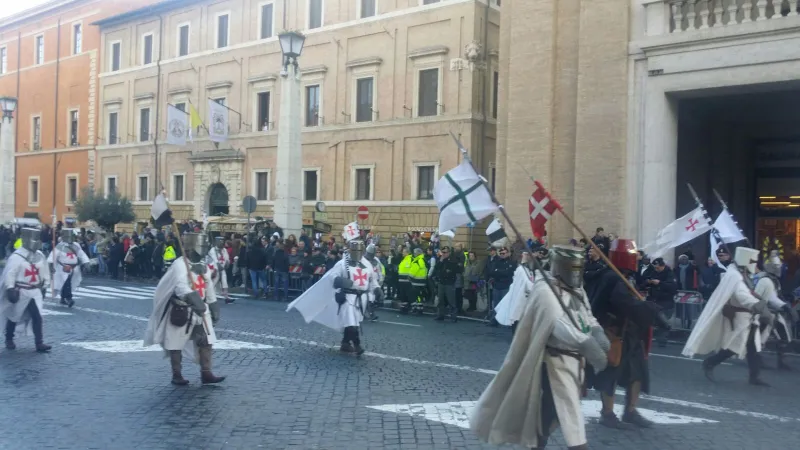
<point>206,376</point>
<point>175,358</point>
<point>713,361</point>
<point>10,345</point>
<point>41,347</point>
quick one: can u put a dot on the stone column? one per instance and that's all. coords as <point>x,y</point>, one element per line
<point>288,183</point>
<point>7,193</point>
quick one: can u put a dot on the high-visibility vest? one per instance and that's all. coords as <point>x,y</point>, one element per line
<point>17,243</point>
<point>404,269</point>
<point>419,271</point>
<point>169,254</point>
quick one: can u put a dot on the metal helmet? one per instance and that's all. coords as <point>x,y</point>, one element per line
<point>31,239</point>
<point>773,265</point>
<point>746,258</point>
<point>623,254</point>
<point>356,250</point>
<point>195,246</point>
<point>566,264</point>
<point>369,253</point>
<point>67,235</point>
<point>219,242</point>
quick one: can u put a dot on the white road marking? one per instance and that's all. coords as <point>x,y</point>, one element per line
<point>400,323</point>
<point>138,346</point>
<point>457,413</point>
<point>51,312</point>
<point>702,406</point>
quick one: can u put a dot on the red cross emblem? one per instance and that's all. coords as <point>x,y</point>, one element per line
<point>200,286</point>
<point>32,273</point>
<point>360,276</point>
<point>70,255</point>
<point>692,224</point>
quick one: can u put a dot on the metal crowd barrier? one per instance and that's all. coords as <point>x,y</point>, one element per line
<point>688,306</point>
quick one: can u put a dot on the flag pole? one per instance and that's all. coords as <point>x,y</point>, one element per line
<point>537,265</point>
<point>594,246</point>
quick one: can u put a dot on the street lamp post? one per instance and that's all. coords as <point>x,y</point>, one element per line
<point>288,184</point>
<point>7,188</point>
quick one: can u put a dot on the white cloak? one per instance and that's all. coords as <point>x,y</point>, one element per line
<point>29,269</point>
<point>513,304</point>
<point>67,255</point>
<point>318,304</point>
<point>222,260</point>
<point>765,288</point>
<point>175,282</point>
<point>713,332</point>
<point>509,410</point>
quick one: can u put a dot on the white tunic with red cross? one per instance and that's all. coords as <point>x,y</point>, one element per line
<point>67,260</point>
<point>351,313</point>
<point>27,272</point>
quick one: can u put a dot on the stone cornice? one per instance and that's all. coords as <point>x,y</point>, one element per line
<point>429,51</point>
<point>219,85</point>
<point>262,77</point>
<point>314,69</point>
<point>360,62</point>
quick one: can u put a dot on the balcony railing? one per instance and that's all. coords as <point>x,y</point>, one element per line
<point>681,16</point>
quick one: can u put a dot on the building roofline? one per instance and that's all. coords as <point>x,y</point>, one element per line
<point>146,11</point>
<point>29,13</point>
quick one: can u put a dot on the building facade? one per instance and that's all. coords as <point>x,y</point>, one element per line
<point>616,105</point>
<point>384,83</point>
<point>49,61</point>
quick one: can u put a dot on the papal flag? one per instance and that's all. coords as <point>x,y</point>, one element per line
<point>217,122</point>
<point>177,126</point>
<point>462,197</point>
<point>679,232</point>
<point>195,122</point>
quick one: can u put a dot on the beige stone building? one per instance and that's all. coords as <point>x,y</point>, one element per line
<point>384,83</point>
<point>616,104</point>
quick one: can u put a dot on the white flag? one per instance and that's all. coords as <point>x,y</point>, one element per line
<point>462,197</point>
<point>728,231</point>
<point>177,126</point>
<point>683,230</point>
<point>217,122</point>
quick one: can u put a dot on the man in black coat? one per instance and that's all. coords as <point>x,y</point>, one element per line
<point>448,268</point>
<point>659,281</point>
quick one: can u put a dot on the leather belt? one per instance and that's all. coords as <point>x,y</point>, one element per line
<point>26,287</point>
<point>560,352</point>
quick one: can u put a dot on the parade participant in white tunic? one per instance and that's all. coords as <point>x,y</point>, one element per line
<point>539,385</point>
<point>25,279</point>
<point>380,273</point>
<point>511,307</point>
<point>185,310</point>
<point>730,322</point>
<point>339,299</point>
<point>222,259</point>
<point>66,262</point>
<point>768,287</point>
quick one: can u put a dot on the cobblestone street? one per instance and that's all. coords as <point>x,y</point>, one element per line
<point>288,387</point>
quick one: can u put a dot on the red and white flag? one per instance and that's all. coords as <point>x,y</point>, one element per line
<point>540,207</point>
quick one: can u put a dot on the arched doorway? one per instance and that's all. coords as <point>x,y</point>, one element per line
<point>218,200</point>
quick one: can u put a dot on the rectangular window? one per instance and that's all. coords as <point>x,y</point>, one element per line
<point>3,60</point>
<point>116,56</point>
<point>495,89</point>
<point>144,124</point>
<point>428,92</point>
<point>143,193</point>
<point>72,190</point>
<point>310,180</point>
<point>314,14</point>
<point>112,128</point>
<point>77,38</point>
<point>262,185</point>
<point>37,133</point>
<point>39,52</point>
<point>222,31</point>
<point>312,105</point>
<point>73,128</point>
<point>425,182</point>
<point>183,40</point>
<point>181,106</point>
<point>428,2</point>
<point>33,191</point>
<point>111,185</point>
<point>263,111</point>
<point>147,49</point>
<point>367,8</point>
<point>494,178</point>
<point>177,187</point>
<point>363,178</point>
<point>364,99</point>
<point>266,20</point>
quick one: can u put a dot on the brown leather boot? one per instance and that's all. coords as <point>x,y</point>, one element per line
<point>175,358</point>
<point>205,367</point>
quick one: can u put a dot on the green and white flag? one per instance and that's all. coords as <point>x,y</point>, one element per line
<point>462,197</point>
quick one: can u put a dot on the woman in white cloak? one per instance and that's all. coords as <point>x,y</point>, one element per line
<point>539,385</point>
<point>66,261</point>
<point>511,307</point>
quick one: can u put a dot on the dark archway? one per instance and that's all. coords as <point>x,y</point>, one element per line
<point>218,200</point>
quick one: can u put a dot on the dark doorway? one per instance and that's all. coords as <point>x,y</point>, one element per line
<point>218,200</point>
